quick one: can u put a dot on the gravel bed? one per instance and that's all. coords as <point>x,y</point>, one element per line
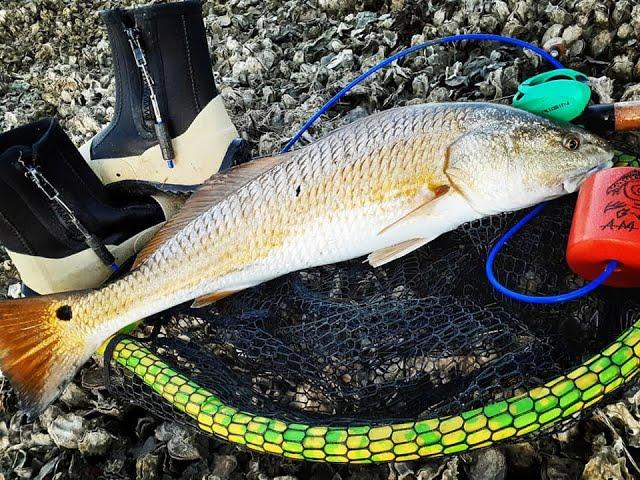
<point>276,62</point>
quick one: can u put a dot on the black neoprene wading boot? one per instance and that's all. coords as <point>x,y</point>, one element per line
<point>170,128</point>
<point>61,226</point>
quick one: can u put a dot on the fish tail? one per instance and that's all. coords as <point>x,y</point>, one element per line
<point>41,347</point>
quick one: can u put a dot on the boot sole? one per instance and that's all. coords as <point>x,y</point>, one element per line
<point>200,152</point>
<point>84,269</point>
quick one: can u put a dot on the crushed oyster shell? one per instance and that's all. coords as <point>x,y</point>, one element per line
<point>276,62</point>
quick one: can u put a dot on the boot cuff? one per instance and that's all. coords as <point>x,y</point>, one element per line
<point>44,137</point>
<point>27,135</point>
<point>118,15</point>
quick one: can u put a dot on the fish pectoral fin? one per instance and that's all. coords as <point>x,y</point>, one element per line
<point>421,211</point>
<point>211,298</point>
<point>442,214</point>
<point>388,254</point>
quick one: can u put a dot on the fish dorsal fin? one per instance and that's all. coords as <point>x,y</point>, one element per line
<point>211,192</point>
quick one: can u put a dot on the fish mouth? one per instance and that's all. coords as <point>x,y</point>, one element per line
<point>572,184</point>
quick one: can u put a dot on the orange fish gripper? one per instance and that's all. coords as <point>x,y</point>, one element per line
<point>606,226</point>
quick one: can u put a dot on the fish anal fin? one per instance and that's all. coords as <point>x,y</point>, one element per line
<point>388,254</point>
<point>211,298</point>
<point>421,210</point>
<point>211,192</point>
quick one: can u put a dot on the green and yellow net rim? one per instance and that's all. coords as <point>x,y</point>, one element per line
<point>533,411</point>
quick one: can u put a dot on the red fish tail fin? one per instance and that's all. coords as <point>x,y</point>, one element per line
<point>40,348</point>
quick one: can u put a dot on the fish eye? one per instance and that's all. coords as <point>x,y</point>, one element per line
<point>571,142</point>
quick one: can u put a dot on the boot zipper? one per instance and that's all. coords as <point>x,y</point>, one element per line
<point>147,108</point>
<point>40,181</point>
<point>162,132</point>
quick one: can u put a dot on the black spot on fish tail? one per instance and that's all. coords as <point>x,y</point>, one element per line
<point>64,313</point>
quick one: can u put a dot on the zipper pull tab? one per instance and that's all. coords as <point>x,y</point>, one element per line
<point>133,36</point>
<point>161,129</point>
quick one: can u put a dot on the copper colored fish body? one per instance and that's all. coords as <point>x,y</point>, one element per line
<point>384,186</point>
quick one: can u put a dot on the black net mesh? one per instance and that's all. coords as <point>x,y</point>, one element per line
<point>421,337</point>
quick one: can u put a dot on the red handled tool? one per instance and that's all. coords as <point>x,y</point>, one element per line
<point>611,117</point>
<point>606,226</point>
